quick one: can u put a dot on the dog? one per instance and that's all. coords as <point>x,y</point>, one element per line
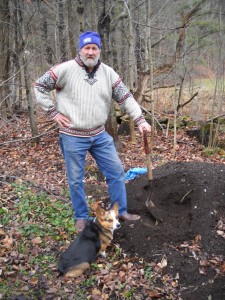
<point>89,243</point>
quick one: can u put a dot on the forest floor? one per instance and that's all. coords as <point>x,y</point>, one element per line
<point>179,256</point>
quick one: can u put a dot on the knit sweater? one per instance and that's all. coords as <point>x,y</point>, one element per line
<point>84,97</point>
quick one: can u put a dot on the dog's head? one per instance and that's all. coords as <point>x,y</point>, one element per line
<point>108,219</point>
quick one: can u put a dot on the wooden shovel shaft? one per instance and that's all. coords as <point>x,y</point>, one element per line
<point>149,202</point>
<point>147,154</point>
<point>146,146</point>
<point>149,167</point>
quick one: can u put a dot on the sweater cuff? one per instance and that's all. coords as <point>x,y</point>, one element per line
<point>52,112</point>
<point>140,120</point>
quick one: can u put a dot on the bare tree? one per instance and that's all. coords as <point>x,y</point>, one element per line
<point>4,46</point>
<point>151,44</point>
<point>80,16</point>
<point>131,64</point>
<point>104,31</point>
<point>150,64</point>
<point>44,32</point>
<point>61,26</point>
<point>169,66</point>
<point>73,48</point>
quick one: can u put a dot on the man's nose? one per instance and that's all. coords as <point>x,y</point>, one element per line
<point>90,51</point>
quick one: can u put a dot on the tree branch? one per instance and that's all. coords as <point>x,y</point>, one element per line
<point>185,103</point>
<point>17,71</point>
<point>52,128</point>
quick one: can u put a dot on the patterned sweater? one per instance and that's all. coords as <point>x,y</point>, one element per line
<point>84,97</point>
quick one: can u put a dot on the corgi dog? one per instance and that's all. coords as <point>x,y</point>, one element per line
<point>89,243</point>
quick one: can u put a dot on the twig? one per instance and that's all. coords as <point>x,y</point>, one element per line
<point>182,200</point>
<point>182,105</point>
<point>2,83</point>
<point>144,109</point>
<point>52,128</point>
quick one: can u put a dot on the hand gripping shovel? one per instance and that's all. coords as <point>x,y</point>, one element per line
<point>154,212</point>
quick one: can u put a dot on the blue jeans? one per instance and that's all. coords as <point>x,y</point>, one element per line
<point>102,149</point>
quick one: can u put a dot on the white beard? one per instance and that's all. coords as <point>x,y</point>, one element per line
<point>90,62</point>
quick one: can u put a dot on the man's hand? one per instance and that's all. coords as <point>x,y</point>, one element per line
<point>144,127</point>
<point>62,120</point>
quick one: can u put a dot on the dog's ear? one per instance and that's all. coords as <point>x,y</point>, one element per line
<point>95,205</point>
<point>100,212</point>
<point>116,207</point>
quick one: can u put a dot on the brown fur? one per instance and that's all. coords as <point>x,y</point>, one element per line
<point>78,270</point>
<point>93,240</point>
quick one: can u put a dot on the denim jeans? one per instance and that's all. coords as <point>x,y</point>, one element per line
<point>102,149</point>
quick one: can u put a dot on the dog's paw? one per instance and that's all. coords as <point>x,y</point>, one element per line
<point>103,254</point>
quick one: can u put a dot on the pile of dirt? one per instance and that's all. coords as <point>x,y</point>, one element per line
<point>189,199</point>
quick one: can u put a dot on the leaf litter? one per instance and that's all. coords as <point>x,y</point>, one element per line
<point>30,262</point>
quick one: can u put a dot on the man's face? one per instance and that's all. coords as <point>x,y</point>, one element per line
<point>90,54</point>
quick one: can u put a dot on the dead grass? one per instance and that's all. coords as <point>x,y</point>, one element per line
<point>199,108</point>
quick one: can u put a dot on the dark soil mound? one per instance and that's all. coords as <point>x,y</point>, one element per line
<point>190,201</point>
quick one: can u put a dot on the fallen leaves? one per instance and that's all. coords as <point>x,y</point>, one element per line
<point>36,241</point>
<point>29,162</point>
<point>2,232</point>
<point>193,246</point>
<point>119,274</point>
<point>154,294</point>
<point>216,263</point>
<point>163,262</point>
<point>221,228</point>
<point>7,242</point>
<point>205,262</point>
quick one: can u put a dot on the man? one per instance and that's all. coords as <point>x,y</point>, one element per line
<point>85,88</point>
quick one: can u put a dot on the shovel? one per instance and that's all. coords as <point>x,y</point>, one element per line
<point>154,212</point>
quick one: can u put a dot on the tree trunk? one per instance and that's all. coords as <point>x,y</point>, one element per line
<point>167,67</point>
<point>4,56</point>
<point>80,16</point>
<point>73,48</point>
<point>27,83</point>
<point>47,51</point>
<point>104,31</point>
<point>131,64</point>
<point>62,31</point>
<point>150,60</point>
<point>94,17</point>
<point>30,103</point>
<point>218,88</point>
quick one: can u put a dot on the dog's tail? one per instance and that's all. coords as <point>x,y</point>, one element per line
<point>77,270</point>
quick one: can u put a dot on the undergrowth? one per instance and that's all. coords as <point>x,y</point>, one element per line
<point>37,228</point>
<point>41,225</point>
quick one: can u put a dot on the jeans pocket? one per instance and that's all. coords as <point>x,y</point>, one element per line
<point>68,143</point>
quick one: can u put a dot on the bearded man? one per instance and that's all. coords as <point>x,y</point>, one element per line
<point>85,88</point>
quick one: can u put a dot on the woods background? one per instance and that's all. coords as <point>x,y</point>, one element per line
<point>170,53</point>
